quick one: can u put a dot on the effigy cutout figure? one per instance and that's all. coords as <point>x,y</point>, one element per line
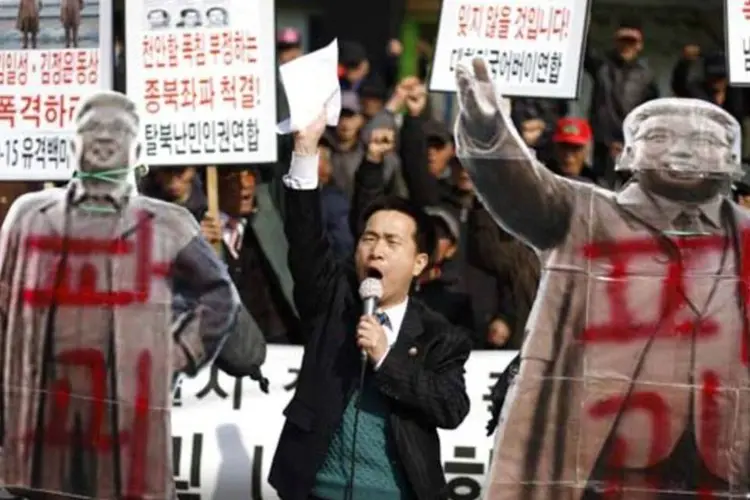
<point>634,376</point>
<point>88,343</point>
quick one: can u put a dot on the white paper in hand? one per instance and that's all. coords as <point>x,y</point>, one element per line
<point>311,82</point>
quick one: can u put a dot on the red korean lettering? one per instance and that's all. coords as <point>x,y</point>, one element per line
<point>8,109</point>
<point>658,411</point>
<point>187,48</point>
<point>206,92</point>
<point>248,91</point>
<point>172,51</point>
<point>490,25</point>
<point>522,14</point>
<point>148,51</point>
<point>82,65</point>
<point>475,25</point>
<point>228,90</point>
<point>533,19</point>
<point>227,48</point>
<point>170,92</point>
<point>503,23</point>
<point>199,44</point>
<point>544,21</point>
<point>54,110</point>
<point>93,75</point>
<point>624,326</point>
<point>31,109</point>
<point>744,290</point>
<point>14,68</point>
<point>251,49</point>
<point>152,96</point>
<point>464,14</point>
<point>188,94</point>
<point>561,23</point>
<point>214,46</point>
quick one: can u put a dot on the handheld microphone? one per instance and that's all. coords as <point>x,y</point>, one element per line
<point>370,291</point>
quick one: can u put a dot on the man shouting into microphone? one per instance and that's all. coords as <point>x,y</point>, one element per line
<point>369,431</point>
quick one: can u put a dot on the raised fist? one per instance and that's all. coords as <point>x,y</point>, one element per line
<point>382,141</point>
<point>480,105</point>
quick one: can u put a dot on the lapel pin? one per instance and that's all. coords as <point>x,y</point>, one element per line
<point>413,352</point>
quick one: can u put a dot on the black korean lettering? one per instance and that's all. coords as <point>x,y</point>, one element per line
<point>40,152</point>
<point>186,488</point>
<point>746,52</point>
<point>223,135</point>
<point>516,67</point>
<point>503,67</point>
<point>494,376</point>
<point>52,147</point>
<point>194,137</point>
<point>529,66</point>
<point>208,136</point>
<point>493,57</point>
<point>179,139</point>
<point>27,152</point>
<point>469,471</point>
<point>468,54</point>
<point>251,127</point>
<point>454,59</point>
<point>151,139</point>
<point>256,478</point>
<point>555,65</point>
<point>212,385</point>
<point>542,67</point>
<point>293,384</point>
<point>166,137</point>
<point>177,395</point>
<point>238,136</point>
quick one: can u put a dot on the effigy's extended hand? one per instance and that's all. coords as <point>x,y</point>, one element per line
<point>480,114</point>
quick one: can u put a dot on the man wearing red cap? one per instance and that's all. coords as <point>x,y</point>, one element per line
<point>572,140</point>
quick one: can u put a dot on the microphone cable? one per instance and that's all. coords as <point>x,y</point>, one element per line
<point>349,494</point>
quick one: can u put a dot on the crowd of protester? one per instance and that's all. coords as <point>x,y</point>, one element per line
<point>483,278</point>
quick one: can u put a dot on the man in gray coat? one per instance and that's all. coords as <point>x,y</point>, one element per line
<point>634,381</point>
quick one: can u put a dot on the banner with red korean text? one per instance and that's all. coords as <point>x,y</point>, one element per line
<point>53,53</point>
<point>225,430</point>
<point>737,33</point>
<point>203,73</point>
<point>533,48</point>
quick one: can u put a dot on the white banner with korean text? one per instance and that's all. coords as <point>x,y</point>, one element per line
<point>225,430</point>
<point>737,28</point>
<point>53,54</point>
<point>533,48</point>
<point>203,73</point>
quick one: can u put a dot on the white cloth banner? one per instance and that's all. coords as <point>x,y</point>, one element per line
<point>225,430</point>
<point>533,48</point>
<point>204,75</point>
<point>737,28</point>
<point>42,81</point>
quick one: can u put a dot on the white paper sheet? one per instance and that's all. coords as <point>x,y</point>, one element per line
<point>311,83</point>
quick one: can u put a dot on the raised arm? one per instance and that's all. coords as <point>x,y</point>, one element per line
<point>520,193</point>
<point>311,261</point>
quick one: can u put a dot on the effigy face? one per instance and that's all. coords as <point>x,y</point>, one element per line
<point>684,137</point>
<point>634,380</point>
<point>107,131</point>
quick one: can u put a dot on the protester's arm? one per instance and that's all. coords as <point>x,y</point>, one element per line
<point>521,194</point>
<point>438,392</point>
<point>311,261</point>
<point>369,183</point>
<point>200,333</point>
<point>592,61</point>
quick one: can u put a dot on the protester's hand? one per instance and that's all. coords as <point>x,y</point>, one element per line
<point>397,99</point>
<point>531,130</point>
<point>395,48</point>
<point>691,51</point>
<point>498,333</point>
<point>480,109</point>
<point>211,229</point>
<point>416,96</point>
<point>306,140</point>
<point>382,141</point>
<point>371,338</point>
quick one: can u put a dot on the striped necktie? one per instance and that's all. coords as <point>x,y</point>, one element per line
<point>384,320</point>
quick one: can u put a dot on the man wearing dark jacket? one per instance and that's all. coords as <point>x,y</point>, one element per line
<point>411,379</point>
<point>622,81</point>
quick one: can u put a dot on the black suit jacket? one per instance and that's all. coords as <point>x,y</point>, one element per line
<point>422,375</point>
